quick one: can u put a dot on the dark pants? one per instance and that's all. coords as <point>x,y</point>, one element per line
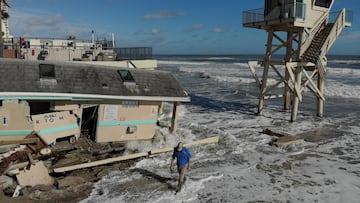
<point>182,178</point>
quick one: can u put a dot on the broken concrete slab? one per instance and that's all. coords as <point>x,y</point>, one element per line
<point>5,181</point>
<point>283,139</point>
<point>37,174</point>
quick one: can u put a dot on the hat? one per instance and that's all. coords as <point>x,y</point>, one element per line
<point>179,146</point>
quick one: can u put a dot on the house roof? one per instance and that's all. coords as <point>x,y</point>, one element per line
<point>22,78</point>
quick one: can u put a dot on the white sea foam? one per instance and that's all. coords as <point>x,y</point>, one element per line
<point>343,72</point>
<point>242,65</point>
<point>189,193</point>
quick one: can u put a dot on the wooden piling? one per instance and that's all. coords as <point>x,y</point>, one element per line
<point>174,117</point>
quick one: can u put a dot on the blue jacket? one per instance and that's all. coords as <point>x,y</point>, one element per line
<point>182,157</point>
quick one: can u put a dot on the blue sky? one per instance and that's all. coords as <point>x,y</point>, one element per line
<point>169,26</point>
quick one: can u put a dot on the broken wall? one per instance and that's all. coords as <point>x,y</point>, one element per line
<point>132,120</point>
<point>15,122</point>
<point>64,122</point>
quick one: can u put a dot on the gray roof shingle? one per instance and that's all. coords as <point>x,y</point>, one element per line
<point>73,78</point>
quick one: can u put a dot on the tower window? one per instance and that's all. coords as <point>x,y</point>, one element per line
<point>47,71</point>
<point>323,3</point>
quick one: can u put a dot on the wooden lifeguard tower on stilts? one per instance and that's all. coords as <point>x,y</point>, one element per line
<point>304,30</point>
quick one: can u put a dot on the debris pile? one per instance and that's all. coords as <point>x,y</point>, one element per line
<point>66,171</point>
<point>26,167</point>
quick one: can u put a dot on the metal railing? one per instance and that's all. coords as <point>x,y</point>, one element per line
<point>287,11</point>
<point>131,53</point>
<point>253,16</point>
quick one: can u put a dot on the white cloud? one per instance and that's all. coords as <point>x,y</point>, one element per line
<point>34,23</point>
<point>218,30</point>
<point>43,20</point>
<point>195,28</point>
<point>163,14</point>
<point>153,31</point>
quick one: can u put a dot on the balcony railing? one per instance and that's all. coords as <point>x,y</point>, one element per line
<point>287,11</point>
<point>253,16</point>
<point>133,53</point>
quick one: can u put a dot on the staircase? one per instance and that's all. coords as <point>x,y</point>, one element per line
<point>323,40</point>
<point>313,52</point>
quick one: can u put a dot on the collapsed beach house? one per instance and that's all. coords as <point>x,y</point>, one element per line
<point>60,100</point>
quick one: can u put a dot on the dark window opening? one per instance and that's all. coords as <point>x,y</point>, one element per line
<point>39,107</point>
<point>47,71</point>
<point>126,76</point>
<point>323,3</point>
<point>89,122</point>
<point>1,102</point>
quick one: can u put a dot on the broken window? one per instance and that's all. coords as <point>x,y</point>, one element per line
<point>323,3</point>
<point>126,76</point>
<point>47,71</point>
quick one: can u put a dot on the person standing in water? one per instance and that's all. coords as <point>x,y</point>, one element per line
<point>182,156</point>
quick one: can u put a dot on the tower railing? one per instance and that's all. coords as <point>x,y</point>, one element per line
<point>286,11</point>
<point>253,16</point>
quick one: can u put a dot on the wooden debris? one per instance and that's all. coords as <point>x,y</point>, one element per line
<point>56,153</point>
<point>100,162</point>
<point>131,156</point>
<point>37,146</point>
<point>203,141</point>
<point>275,133</point>
<point>287,140</point>
<point>20,156</point>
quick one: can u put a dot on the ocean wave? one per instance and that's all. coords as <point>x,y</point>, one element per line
<point>337,89</point>
<point>349,62</point>
<point>244,65</point>
<point>343,71</point>
<point>182,63</point>
<point>220,58</point>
